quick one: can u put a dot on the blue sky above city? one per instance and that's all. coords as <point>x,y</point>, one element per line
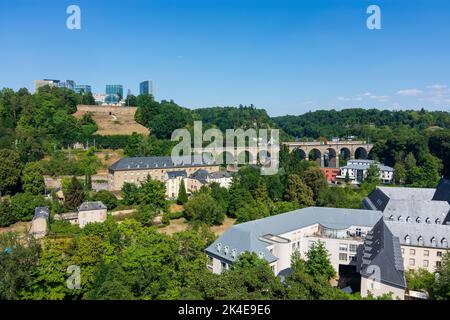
<point>288,57</point>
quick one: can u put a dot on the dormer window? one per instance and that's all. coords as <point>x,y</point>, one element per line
<point>400,219</point>
<point>444,243</point>
<point>407,239</point>
<point>438,221</point>
<point>391,218</point>
<point>427,220</point>
<point>420,240</point>
<point>408,219</point>
<point>418,220</point>
<point>226,250</point>
<point>218,247</point>
<point>433,241</point>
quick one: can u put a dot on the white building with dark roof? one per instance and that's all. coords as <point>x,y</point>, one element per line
<point>346,234</point>
<point>357,171</point>
<point>39,223</point>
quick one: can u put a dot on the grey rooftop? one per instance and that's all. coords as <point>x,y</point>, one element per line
<point>248,236</point>
<point>91,205</point>
<point>143,163</point>
<point>41,212</point>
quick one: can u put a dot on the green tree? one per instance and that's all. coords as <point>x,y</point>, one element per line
<point>7,216</point>
<point>297,191</point>
<point>23,205</point>
<point>33,178</point>
<point>315,179</point>
<point>182,194</point>
<point>420,280</point>
<point>130,194</point>
<point>399,173</point>
<point>18,259</point>
<point>441,289</point>
<point>153,192</point>
<point>107,197</point>
<point>373,174</point>
<point>75,194</point>
<point>10,171</point>
<point>202,207</point>
<point>318,263</point>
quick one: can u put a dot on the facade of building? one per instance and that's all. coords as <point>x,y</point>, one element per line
<point>346,234</point>
<point>83,88</point>
<point>91,212</point>
<point>146,87</point>
<point>113,92</point>
<point>357,171</point>
<point>173,180</point>
<point>136,170</point>
<point>39,223</point>
<point>330,173</point>
<point>420,218</point>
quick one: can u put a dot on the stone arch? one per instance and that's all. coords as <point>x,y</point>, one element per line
<point>264,157</point>
<point>361,153</point>
<point>316,155</point>
<point>245,157</point>
<point>345,154</point>
<point>226,158</point>
<point>299,154</point>
<point>331,158</point>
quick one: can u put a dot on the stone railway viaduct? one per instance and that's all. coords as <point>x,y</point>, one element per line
<point>326,154</point>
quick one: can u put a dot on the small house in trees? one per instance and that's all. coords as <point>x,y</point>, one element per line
<point>91,212</point>
<point>39,224</point>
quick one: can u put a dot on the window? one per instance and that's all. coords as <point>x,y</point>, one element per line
<point>439,253</point>
<point>438,221</point>
<point>412,252</point>
<point>418,220</point>
<point>427,220</point>
<point>412,262</point>
<point>352,258</point>
<point>425,263</point>
<point>438,264</point>
<point>343,247</point>
<point>444,243</point>
<point>224,266</point>
<point>391,218</point>
<point>403,250</point>
<point>433,241</point>
<point>343,256</point>
<point>407,239</point>
<point>400,218</point>
<point>358,232</point>
<point>408,219</point>
<point>353,247</point>
<point>420,240</point>
<point>426,253</point>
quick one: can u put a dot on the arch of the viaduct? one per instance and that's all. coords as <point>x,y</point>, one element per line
<point>326,155</point>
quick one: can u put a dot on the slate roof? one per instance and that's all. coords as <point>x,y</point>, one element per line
<point>200,175</point>
<point>219,175</point>
<point>366,166</point>
<point>381,253</point>
<point>143,163</point>
<point>442,191</point>
<point>175,174</point>
<point>246,236</point>
<point>41,212</point>
<point>416,230</point>
<point>91,205</point>
<point>400,203</point>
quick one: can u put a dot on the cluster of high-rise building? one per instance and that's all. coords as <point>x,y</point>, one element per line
<point>113,95</point>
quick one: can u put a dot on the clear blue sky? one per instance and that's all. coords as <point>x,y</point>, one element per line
<point>286,56</point>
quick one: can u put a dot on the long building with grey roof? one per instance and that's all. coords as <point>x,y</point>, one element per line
<point>136,169</point>
<point>346,234</point>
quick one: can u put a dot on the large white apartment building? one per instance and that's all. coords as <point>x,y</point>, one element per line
<point>357,171</point>
<point>343,232</point>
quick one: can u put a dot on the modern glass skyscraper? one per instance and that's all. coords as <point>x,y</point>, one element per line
<point>146,87</point>
<point>83,87</point>
<point>113,92</point>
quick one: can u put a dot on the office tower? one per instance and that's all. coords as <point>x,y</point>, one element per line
<point>114,93</point>
<point>83,88</point>
<point>146,87</point>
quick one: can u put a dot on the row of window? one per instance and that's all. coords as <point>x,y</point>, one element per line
<point>425,263</point>
<point>433,242</point>
<point>418,219</point>
<point>426,253</point>
<point>343,257</point>
<point>345,247</point>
